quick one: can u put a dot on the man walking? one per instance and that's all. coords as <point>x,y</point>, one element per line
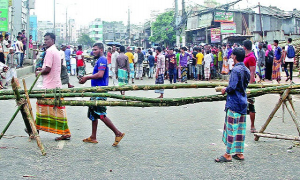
<point>289,59</point>
<point>19,51</point>
<point>131,63</point>
<point>100,77</point>
<point>64,73</point>
<point>236,109</point>
<point>114,56</point>
<point>139,64</point>
<point>49,119</point>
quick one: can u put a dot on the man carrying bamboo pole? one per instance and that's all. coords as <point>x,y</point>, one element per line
<point>100,77</point>
<point>50,118</point>
<point>236,109</point>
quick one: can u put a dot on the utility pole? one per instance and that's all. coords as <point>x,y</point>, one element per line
<point>128,28</point>
<point>261,26</point>
<point>66,25</point>
<point>184,16</point>
<point>176,17</point>
<point>28,30</point>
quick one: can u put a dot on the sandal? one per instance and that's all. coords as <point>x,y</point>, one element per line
<point>253,130</point>
<point>89,140</point>
<point>63,138</point>
<point>118,139</point>
<point>237,157</point>
<point>222,159</point>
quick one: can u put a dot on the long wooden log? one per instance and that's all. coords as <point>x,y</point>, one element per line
<point>293,117</point>
<point>286,137</point>
<point>250,93</point>
<point>283,97</point>
<point>137,87</point>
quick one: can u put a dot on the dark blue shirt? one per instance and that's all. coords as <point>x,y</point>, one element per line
<point>278,52</point>
<point>101,65</point>
<point>151,60</point>
<point>236,90</point>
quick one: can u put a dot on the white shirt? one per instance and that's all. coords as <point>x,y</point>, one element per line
<point>207,61</point>
<point>5,43</point>
<point>286,58</point>
<point>114,59</point>
<point>230,63</point>
<point>63,57</point>
<point>73,61</point>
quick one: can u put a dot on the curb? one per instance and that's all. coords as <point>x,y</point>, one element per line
<point>25,71</point>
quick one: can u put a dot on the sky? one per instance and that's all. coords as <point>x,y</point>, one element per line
<point>85,11</point>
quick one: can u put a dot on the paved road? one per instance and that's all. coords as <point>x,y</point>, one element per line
<point>160,143</point>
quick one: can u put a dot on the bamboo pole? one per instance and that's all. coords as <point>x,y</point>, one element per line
<point>286,137</point>
<point>21,103</point>
<point>27,98</point>
<point>283,97</point>
<point>289,98</point>
<point>142,87</point>
<point>293,117</point>
<point>18,109</point>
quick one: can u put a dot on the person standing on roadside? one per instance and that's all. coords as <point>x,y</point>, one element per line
<point>64,73</point>
<point>236,109</point>
<point>172,66</point>
<point>68,58</point>
<point>114,56</point>
<point>122,68</point>
<point>131,63</point>
<point>151,60</point>
<point>109,61</point>
<point>261,62</point>
<point>250,63</point>
<point>100,77</point>
<point>276,75</point>
<point>160,70</point>
<point>139,64</point>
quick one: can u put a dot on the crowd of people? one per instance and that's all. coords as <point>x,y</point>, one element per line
<point>12,54</point>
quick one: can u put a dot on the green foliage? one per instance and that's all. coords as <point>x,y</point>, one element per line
<point>162,29</point>
<point>86,40</point>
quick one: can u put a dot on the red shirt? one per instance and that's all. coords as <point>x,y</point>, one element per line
<point>79,58</point>
<point>108,58</point>
<point>250,60</point>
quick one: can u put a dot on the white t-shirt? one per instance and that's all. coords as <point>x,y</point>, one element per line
<point>63,57</point>
<point>230,63</point>
<point>207,61</point>
<point>5,43</point>
<point>286,58</point>
<point>73,61</point>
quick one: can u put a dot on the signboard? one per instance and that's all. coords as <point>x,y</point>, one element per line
<point>3,15</point>
<point>215,34</point>
<point>192,22</point>
<point>228,28</point>
<point>10,2</point>
<point>205,20</point>
<point>223,16</point>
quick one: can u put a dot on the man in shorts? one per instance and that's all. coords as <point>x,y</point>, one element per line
<point>100,77</point>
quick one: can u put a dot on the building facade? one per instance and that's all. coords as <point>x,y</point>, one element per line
<point>96,30</point>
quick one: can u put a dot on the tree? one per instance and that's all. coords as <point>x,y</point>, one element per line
<point>163,31</point>
<point>86,40</point>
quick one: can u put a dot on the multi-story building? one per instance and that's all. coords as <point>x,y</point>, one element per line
<point>72,33</point>
<point>82,30</point>
<point>18,13</point>
<point>114,31</point>
<point>96,30</point>
<point>43,28</point>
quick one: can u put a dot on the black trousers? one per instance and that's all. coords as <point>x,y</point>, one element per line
<point>291,64</point>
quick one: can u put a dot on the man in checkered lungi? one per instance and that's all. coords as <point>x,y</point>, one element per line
<point>236,109</point>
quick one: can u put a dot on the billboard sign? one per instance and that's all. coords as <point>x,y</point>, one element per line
<point>215,35</point>
<point>221,16</point>
<point>3,15</point>
<point>228,28</point>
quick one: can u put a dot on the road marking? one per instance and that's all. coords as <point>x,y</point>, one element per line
<point>60,144</point>
<point>221,130</point>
